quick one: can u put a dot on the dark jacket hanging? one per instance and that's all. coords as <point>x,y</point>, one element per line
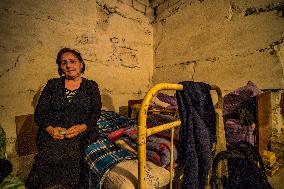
<point>197,133</point>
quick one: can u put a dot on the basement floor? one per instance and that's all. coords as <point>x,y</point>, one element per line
<point>277,180</point>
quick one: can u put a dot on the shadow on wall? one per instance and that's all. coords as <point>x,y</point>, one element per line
<point>107,102</point>
<point>37,95</point>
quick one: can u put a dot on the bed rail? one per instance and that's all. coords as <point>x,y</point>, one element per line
<point>144,132</point>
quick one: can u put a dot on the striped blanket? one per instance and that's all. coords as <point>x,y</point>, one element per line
<point>100,157</point>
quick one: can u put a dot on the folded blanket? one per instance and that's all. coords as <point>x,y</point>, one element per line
<point>158,149</point>
<point>110,121</point>
<point>100,157</point>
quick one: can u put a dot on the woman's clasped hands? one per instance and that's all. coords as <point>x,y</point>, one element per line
<point>58,133</point>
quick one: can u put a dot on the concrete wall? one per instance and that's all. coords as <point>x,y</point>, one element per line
<point>223,42</point>
<point>115,39</point>
<point>277,138</point>
<point>220,41</point>
<point>127,44</point>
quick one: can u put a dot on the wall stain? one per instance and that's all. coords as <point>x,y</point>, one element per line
<point>123,55</point>
<point>27,91</point>
<point>2,107</point>
<point>212,59</point>
<point>85,39</point>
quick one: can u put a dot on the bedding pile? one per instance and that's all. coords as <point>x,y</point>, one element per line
<point>101,156</point>
<point>116,130</point>
<point>240,113</point>
<point>162,110</point>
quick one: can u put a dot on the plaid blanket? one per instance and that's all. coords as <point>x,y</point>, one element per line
<point>100,157</point>
<point>110,121</point>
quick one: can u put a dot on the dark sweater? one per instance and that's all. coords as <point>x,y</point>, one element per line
<point>61,161</point>
<point>197,133</point>
<point>54,109</point>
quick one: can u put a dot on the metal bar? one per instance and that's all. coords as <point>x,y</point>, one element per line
<point>219,94</point>
<point>172,157</point>
<point>163,127</point>
<point>143,132</point>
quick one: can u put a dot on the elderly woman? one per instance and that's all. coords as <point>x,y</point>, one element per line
<point>66,114</point>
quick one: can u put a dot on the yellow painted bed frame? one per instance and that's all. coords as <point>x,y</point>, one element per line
<point>144,132</point>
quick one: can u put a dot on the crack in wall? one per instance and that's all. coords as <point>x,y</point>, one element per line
<point>128,48</point>
<point>160,41</point>
<point>272,7</point>
<point>112,10</point>
<point>272,48</point>
<point>43,18</point>
<point>194,70</point>
<point>126,66</point>
<point>11,68</point>
<point>194,62</point>
<point>174,9</point>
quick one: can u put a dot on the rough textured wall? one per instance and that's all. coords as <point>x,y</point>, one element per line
<point>277,138</point>
<point>115,39</point>
<point>226,42</point>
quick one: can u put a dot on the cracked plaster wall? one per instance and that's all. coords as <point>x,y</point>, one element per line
<point>277,137</point>
<point>223,42</point>
<point>116,42</point>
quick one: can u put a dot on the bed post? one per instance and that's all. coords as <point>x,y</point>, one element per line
<point>142,129</point>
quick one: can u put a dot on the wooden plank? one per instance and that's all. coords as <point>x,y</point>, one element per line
<point>264,120</point>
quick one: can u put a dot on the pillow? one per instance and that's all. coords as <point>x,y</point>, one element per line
<point>124,175</point>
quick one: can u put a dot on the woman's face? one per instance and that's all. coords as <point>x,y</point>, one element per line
<point>70,65</point>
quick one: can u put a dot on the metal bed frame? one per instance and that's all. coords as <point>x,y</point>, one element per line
<point>144,132</point>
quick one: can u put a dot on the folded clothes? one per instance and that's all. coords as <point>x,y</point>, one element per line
<point>236,132</point>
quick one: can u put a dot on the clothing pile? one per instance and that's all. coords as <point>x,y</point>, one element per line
<point>240,113</point>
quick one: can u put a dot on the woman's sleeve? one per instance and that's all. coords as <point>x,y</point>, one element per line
<point>43,107</point>
<point>96,106</point>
